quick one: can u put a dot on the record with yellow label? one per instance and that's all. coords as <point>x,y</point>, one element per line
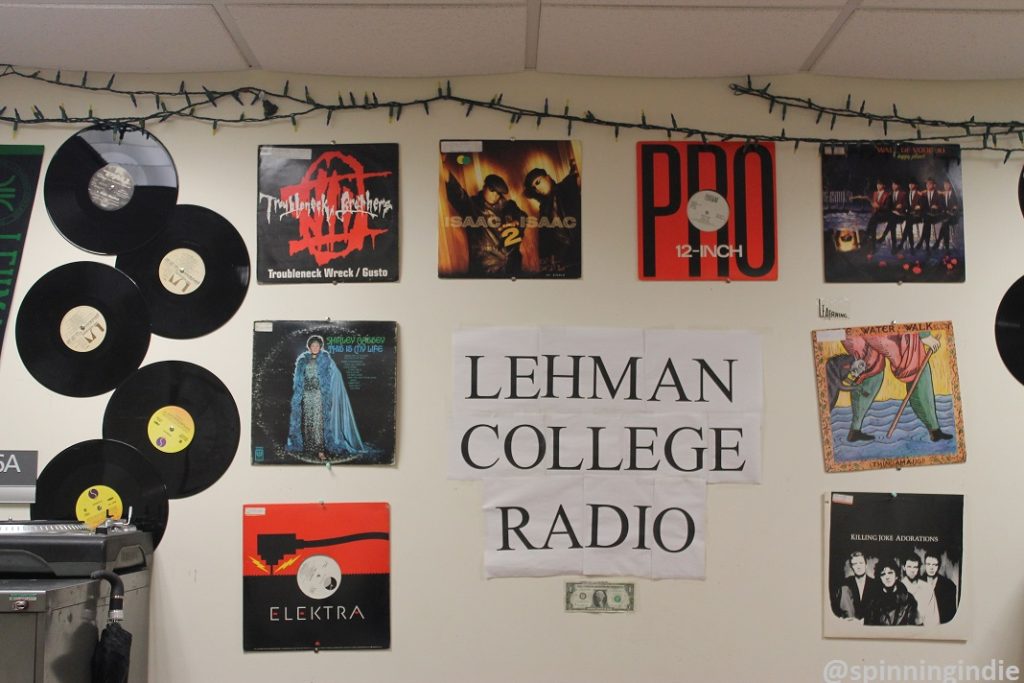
<point>181,418</point>
<point>101,479</point>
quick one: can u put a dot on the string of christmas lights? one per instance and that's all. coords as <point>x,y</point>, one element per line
<point>987,133</point>
<point>260,105</point>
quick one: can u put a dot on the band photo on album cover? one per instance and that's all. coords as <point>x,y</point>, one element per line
<point>893,213</point>
<point>510,209</point>
<point>894,560</point>
<point>324,392</point>
<point>327,213</point>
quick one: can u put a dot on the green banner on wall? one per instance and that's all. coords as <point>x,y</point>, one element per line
<point>19,175</point>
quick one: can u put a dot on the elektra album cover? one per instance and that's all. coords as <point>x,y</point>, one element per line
<point>316,576</point>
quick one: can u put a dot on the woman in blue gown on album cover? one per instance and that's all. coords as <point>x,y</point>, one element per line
<point>322,425</point>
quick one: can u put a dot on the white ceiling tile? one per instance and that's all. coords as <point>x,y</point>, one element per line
<point>677,42</point>
<point>378,3</point>
<point>905,39</point>
<point>641,4</point>
<point>385,40</point>
<point>932,44</point>
<point>967,5</point>
<point>125,38</point>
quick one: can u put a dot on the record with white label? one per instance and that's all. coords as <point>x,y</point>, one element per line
<point>110,189</point>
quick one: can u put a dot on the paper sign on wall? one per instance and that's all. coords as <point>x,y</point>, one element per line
<point>597,444</point>
<point>595,525</point>
<point>591,400</point>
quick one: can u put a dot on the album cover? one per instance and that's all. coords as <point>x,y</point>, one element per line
<point>893,213</point>
<point>894,566</point>
<point>316,576</point>
<point>19,175</point>
<point>327,213</point>
<point>324,392</point>
<point>510,209</point>
<point>888,396</point>
<point>706,211</point>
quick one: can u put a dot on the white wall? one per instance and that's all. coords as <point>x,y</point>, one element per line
<point>758,615</point>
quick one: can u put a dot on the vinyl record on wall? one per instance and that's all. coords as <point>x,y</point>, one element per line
<point>109,189</point>
<point>101,479</point>
<point>181,418</point>
<point>194,275</point>
<point>1010,329</point>
<point>82,329</point>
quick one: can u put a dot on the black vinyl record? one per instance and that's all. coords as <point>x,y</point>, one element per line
<point>96,479</point>
<point>1020,191</point>
<point>82,329</point>
<point>1010,329</point>
<point>181,418</point>
<point>194,274</point>
<point>109,190</point>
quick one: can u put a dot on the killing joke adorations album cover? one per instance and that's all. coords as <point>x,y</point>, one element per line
<point>327,213</point>
<point>316,576</point>
<point>510,209</point>
<point>895,566</point>
<point>324,392</point>
<point>893,213</point>
<point>888,396</point>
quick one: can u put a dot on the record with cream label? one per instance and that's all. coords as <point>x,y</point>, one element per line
<point>82,329</point>
<point>194,275</point>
